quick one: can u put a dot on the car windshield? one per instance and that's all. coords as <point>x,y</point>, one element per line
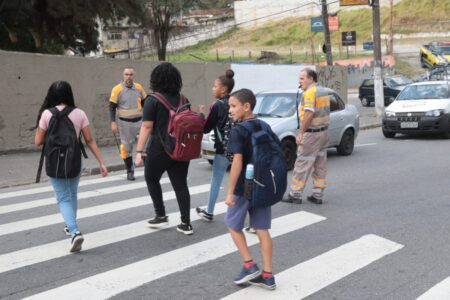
<point>425,91</point>
<point>398,80</point>
<point>275,105</point>
<point>443,50</point>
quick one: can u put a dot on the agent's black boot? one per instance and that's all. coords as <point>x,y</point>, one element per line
<point>130,168</point>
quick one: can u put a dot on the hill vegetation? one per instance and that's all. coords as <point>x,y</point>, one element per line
<point>293,41</point>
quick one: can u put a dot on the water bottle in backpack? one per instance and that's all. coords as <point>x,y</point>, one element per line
<point>248,183</point>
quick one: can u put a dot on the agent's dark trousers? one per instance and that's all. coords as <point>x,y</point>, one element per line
<point>155,165</point>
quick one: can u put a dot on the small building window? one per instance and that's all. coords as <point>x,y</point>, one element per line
<point>114,35</point>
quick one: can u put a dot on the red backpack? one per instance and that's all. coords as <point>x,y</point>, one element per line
<point>184,135</point>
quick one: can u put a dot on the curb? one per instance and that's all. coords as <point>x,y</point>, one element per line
<point>370,126</point>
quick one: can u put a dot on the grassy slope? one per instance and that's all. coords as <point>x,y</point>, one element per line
<point>293,34</point>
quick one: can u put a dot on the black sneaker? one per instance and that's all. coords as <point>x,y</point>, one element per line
<point>267,283</point>
<point>158,222</point>
<point>130,176</point>
<point>77,241</point>
<point>314,200</point>
<point>204,215</point>
<point>291,199</point>
<point>250,229</point>
<point>185,228</point>
<point>67,231</point>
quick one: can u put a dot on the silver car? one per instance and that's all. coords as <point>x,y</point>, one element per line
<point>279,110</point>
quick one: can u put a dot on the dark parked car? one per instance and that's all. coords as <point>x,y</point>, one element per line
<point>393,85</point>
<point>437,73</point>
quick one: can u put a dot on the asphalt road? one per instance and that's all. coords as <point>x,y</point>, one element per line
<point>382,233</point>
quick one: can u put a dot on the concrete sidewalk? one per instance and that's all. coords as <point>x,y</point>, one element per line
<point>20,168</point>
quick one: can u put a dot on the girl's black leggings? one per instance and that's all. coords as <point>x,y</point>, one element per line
<point>156,164</point>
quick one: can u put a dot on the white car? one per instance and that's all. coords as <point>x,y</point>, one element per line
<point>422,107</point>
<point>279,110</point>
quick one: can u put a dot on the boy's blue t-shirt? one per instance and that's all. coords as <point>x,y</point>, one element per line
<point>240,142</point>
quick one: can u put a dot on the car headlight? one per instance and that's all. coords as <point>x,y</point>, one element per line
<point>435,113</point>
<point>389,113</point>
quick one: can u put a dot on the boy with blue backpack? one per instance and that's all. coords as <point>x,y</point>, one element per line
<point>258,179</point>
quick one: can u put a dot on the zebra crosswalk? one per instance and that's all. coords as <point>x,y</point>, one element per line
<point>122,255</point>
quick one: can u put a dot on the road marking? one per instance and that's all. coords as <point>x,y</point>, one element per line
<point>33,223</point>
<point>83,195</point>
<point>315,274</point>
<point>83,182</point>
<point>440,291</point>
<point>113,282</point>
<point>41,253</point>
<point>365,145</point>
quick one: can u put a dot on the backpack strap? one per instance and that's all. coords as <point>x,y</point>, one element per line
<point>181,105</point>
<point>41,163</point>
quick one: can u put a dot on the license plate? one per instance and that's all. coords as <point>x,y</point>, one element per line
<point>409,124</point>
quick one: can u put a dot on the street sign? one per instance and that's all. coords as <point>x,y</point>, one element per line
<point>349,38</point>
<point>333,23</point>
<point>317,24</point>
<point>353,2</point>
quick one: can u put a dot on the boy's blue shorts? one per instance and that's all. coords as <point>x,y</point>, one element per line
<point>260,218</point>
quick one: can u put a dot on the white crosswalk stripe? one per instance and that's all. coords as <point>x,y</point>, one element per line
<point>48,188</point>
<point>110,283</point>
<point>33,223</point>
<point>440,291</point>
<point>83,195</point>
<point>321,271</point>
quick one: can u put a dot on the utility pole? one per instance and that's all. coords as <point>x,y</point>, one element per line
<point>327,33</point>
<point>391,28</point>
<point>377,74</point>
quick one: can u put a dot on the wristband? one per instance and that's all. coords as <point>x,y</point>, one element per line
<point>139,151</point>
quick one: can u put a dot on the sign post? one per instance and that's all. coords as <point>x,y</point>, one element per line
<point>348,38</point>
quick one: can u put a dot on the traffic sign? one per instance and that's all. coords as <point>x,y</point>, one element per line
<point>349,38</point>
<point>317,24</point>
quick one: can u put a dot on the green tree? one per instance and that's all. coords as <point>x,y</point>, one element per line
<point>50,26</point>
<point>158,17</point>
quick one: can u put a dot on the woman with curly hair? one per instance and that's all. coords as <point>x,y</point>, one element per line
<point>165,80</point>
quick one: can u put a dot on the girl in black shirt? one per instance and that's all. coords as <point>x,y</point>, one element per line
<point>217,119</point>
<point>166,80</point>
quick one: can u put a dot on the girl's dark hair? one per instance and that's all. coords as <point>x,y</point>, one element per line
<point>227,80</point>
<point>60,92</point>
<point>165,78</point>
<point>245,96</point>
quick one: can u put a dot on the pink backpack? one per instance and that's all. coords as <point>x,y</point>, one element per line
<point>184,131</point>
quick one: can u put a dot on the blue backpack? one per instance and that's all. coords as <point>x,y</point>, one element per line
<point>270,170</point>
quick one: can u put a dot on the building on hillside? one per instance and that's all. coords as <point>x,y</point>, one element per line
<point>255,12</point>
<point>122,37</point>
<point>204,17</point>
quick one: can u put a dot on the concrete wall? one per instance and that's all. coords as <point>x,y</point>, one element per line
<point>254,12</point>
<point>25,78</point>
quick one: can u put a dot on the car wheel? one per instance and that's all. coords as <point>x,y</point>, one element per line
<point>388,134</point>
<point>365,101</point>
<point>290,152</point>
<point>211,162</point>
<point>347,143</point>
